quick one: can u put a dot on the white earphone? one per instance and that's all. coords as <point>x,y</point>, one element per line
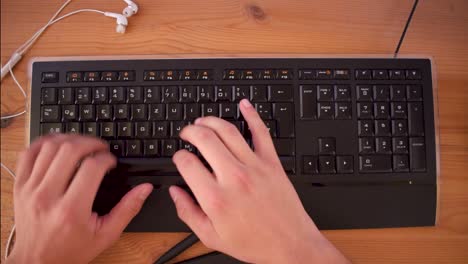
<point>131,9</point>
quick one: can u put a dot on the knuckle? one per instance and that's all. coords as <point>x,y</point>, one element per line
<point>50,144</point>
<point>68,147</point>
<point>41,201</point>
<point>90,163</point>
<point>231,129</point>
<point>133,206</point>
<point>243,179</point>
<point>203,134</point>
<point>216,203</point>
<point>183,157</point>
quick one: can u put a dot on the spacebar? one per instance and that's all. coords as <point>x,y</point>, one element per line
<point>146,167</point>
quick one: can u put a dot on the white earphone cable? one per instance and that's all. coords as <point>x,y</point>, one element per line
<point>13,229</point>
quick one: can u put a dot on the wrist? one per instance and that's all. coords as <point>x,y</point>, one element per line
<point>17,257</point>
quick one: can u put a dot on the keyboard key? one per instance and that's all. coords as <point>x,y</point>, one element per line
<point>223,93</point>
<point>151,76</point>
<point>399,110</point>
<point>417,150</point>
<point>134,95</point>
<point>228,111</point>
<point>284,115</point>
<point>343,111</point>
<point>383,145</point>
<point>308,102</point>
<point>344,164</point>
<point>50,113</point>
<point>363,74</point>
<point>399,128</point>
<point>382,128</point>
<point>397,75</point>
<point>232,74</point>
<point>259,93</point>
<point>210,110</point>
<point>380,74</point>
<point>117,147</point>
<point>69,113</point>
<point>160,129</point>
<point>150,147</point>
<point>284,146</point>
<point>127,76</point>
<point>100,95</point>
<point>267,75</point>
<point>143,129</point>
<point>307,74</point>
<point>324,74</point>
<point>326,146</point>
<point>365,110</point>
<point>205,93</point>
<point>169,147</point>
<point>342,93</point>
<point>121,112</point>
<point>139,112</point>
<point>248,75</point>
<point>157,112</point>
<point>188,94</point>
<point>170,94</point>
<point>152,94</point>
<point>82,95</point>
<point>104,112</point>
<point>365,127</point>
<point>366,145</point>
<point>187,146</point>
<point>50,77</point>
<point>375,163</point>
<point>48,128</point>
<point>90,129</point>
<point>74,77</point>
<point>381,110</point>
<point>309,165</point>
<point>73,128</point>
<point>241,92</point>
<point>118,95</point>
<point>174,111</point>
<point>327,164</point>
<point>381,92</point>
<point>398,93</point>
<point>400,144</point>
<point>271,125</point>
<point>205,75</point>
<point>169,75</point>
<point>283,74</point>
<point>133,148</point>
<point>414,92</point>
<point>124,130</point>
<point>107,130</point>
<point>364,92</point>
<point>325,93</point>
<point>341,74</point>
<point>413,74</point>
<point>280,93</point>
<point>191,111</point>
<point>109,76</point>
<point>66,96</point>
<point>264,110</point>
<point>176,127</point>
<point>289,164</point>
<point>240,126</point>
<point>400,163</point>
<point>188,75</point>
<point>415,119</point>
<point>325,110</point>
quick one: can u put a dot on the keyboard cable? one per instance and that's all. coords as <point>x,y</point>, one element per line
<point>403,34</point>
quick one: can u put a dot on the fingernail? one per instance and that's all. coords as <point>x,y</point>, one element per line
<point>246,103</point>
<point>145,192</point>
<point>172,192</point>
<point>198,121</point>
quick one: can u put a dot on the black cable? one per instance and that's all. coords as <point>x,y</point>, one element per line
<point>406,28</point>
<point>177,249</point>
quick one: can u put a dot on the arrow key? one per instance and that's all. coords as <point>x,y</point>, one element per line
<point>309,165</point>
<point>327,164</point>
<point>344,164</point>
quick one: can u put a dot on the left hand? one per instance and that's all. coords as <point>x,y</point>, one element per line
<point>57,180</point>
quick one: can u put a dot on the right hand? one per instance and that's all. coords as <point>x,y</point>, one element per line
<point>248,207</point>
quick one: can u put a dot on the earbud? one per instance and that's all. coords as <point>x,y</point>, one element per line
<point>131,9</point>
<point>122,21</point>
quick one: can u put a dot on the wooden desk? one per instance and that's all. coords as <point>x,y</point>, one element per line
<point>439,29</point>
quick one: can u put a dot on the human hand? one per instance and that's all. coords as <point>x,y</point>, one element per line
<point>248,207</point>
<point>56,182</point>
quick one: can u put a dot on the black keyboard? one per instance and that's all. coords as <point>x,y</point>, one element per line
<point>344,123</point>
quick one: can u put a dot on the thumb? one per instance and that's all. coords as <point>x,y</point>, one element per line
<point>113,224</point>
<point>194,217</point>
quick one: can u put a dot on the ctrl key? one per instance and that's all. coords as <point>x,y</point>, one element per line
<point>375,163</point>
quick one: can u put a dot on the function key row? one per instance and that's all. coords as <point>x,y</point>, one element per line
<point>95,76</point>
<point>176,75</point>
<point>383,74</point>
<point>324,74</point>
<point>250,74</point>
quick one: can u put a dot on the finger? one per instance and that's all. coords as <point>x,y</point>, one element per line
<point>193,216</point>
<point>27,159</point>
<point>113,224</point>
<point>84,186</point>
<point>196,175</point>
<point>68,158</point>
<point>230,136</point>
<point>260,134</point>
<point>47,152</point>
<point>211,147</point>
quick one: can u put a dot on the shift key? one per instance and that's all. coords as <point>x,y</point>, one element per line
<point>284,115</point>
<point>417,148</point>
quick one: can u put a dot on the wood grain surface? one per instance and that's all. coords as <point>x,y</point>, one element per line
<point>439,30</point>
